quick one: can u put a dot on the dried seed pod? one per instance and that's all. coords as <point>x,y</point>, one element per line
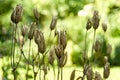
<point>59,51</point>
<point>89,24</point>
<point>72,77</point>
<point>36,36</point>
<point>62,39</point>
<point>98,76</point>
<point>104,27</point>
<point>16,15</point>
<point>95,20</point>
<point>51,56</point>
<point>36,13</point>
<point>31,31</point>
<point>106,71</point>
<point>63,60</point>
<point>21,41</point>
<point>53,22</point>
<point>109,49</point>
<point>24,30</point>
<point>97,46</point>
<point>105,59</point>
<point>41,43</point>
<point>89,73</point>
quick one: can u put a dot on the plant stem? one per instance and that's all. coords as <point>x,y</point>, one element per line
<point>93,45</point>
<point>85,41</point>
<point>58,71</point>
<point>28,59</point>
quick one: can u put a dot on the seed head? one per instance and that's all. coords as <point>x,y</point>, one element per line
<point>36,13</point>
<point>51,56</point>
<point>31,31</point>
<point>53,22</point>
<point>89,73</point>
<point>21,41</point>
<point>95,20</point>
<point>63,60</point>
<point>106,71</point>
<point>89,24</point>
<point>72,77</point>
<point>98,76</point>
<point>62,39</point>
<point>104,27</point>
<point>17,13</point>
<point>41,43</point>
<point>59,51</point>
<point>24,30</point>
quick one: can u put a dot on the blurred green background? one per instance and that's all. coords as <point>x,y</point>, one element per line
<point>72,16</point>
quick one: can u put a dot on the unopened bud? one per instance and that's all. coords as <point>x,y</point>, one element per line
<point>53,22</point>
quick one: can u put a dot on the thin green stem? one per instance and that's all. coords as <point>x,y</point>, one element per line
<point>12,46</point>
<point>28,59</point>
<point>85,41</point>
<point>58,71</point>
<point>93,45</point>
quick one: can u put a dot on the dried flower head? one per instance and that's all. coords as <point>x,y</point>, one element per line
<point>45,69</point>
<point>51,56</point>
<point>106,71</point>
<point>97,46</point>
<point>109,49</point>
<point>72,77</point>
<point>59,51</point>
<point>31,31</point>
<point>41,43</point>
<point>21,41</point>
<point>36,13</point>
<point>24,30</point>
<point>95,19</point>
<point>62,39</point>
<point>89,73</point>
<point>53,22</point>
<point>63,60</point>
<point>98,76</point>
<point>16,15</point>
<point>104,27</point>
<point>89,24</point>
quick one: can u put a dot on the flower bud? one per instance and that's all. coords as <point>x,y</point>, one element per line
<point>106,71</point>
<point>24,30</point>
<point>89,24</point>
<point>36,13</point>
<point>53,22</point>
<point>104,27</point>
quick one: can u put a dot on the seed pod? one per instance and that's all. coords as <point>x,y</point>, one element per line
<point>36,13</point>
<point>51,56</point>
<point>98,76</point>
<point>109,49</point>
<point>21,41</point>
<point>59,51</point>
<point>16,15</point>
<point>106,71</point>
<point>62,39</point>
<point>72,77</point>
<point>104,27</point>
<point>97,46</point>
<point>36,36</point>
<point>89,73</point>
<point>24,30</point>
<point>89,24</point>
<point>105,59</point>
<point>63,60</point>
<point>41,43</point>
<point>31,31</point>
<point>53,22</point>
<point>95,20</point>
